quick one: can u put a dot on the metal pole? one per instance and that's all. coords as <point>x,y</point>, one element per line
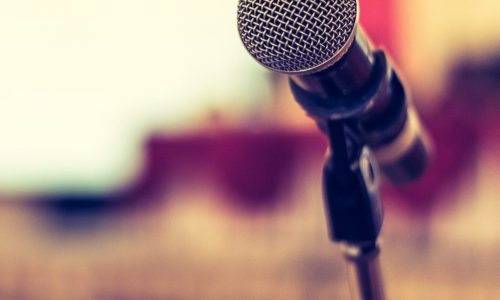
<point>363,268</point>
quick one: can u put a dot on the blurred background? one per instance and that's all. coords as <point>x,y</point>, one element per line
<point>145,155</point>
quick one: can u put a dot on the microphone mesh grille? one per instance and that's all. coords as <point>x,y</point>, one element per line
<point>296,35</point>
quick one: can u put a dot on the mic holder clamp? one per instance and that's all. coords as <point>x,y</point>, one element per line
<point>350,175</point>
<point>351,188</point>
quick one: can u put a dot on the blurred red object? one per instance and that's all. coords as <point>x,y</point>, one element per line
<point>252,169</point>
<point>379,19</point>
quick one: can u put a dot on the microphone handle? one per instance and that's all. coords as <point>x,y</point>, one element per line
<point>365,90</point>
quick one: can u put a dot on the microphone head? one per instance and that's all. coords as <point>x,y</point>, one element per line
<point>297,36</point>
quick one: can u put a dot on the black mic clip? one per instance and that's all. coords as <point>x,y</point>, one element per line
<point>351,189</point>
<point>355,125</point>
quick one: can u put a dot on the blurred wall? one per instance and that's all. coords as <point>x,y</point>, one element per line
<point>437,33</point>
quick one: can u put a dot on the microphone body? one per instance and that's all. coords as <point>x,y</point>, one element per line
<point>363,88</point>
<point>335,75</point>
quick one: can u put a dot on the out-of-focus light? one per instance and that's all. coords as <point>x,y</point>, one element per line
<point>82,83</point>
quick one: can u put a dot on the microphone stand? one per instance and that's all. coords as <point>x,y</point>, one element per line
<point>353,207</point>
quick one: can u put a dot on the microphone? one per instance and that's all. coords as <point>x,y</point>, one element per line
<point>335,75</point>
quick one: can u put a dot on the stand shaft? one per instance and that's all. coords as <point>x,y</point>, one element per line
<point>365,278</point>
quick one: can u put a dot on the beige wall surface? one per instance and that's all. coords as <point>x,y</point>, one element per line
<point>437,33</point>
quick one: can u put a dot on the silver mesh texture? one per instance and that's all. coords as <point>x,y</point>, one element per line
<point>293,36</point>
